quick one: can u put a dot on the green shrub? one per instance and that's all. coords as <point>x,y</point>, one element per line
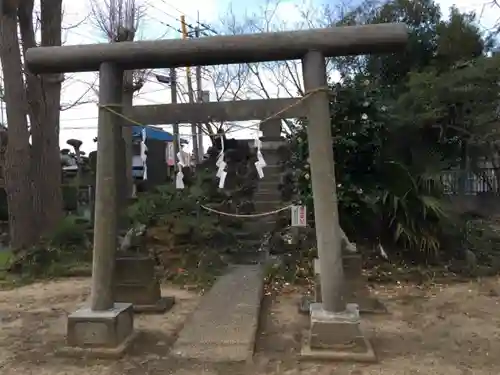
<point>67,245</point>
<point>71,233</point>
<point>383,195</point>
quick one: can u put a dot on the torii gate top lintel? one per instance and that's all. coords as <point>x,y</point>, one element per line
<point>232,49</point>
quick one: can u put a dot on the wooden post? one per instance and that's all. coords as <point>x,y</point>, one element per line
<point>105,223</point>
<point>319,136</point>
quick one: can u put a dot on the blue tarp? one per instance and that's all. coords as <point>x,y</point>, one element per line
<point>152,133</point>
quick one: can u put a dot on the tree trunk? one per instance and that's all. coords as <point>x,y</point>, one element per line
<point>43,94</point>
<point>17,163</point>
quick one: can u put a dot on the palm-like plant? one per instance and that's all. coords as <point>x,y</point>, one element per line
<point>411,206</point>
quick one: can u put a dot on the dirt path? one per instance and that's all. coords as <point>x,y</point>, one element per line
<point>441,330</point>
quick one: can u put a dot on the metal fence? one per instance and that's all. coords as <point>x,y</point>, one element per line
<point>482,181</point>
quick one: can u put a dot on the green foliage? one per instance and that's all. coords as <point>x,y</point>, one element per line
<point>4,259</point>
<point>400,119</point>
<point>70,234</point>
<point>393,197</point>
<point>175,218</point>
<point>164,201</point>
<point>462,31</point>
<point>66,246</point>
<point>433,41</point>
<point>422,18</point>
<point>456,108</point>
<point>411,207</point>
<point>298,268</point>
<point>190,242</point>
<point>482,238</point>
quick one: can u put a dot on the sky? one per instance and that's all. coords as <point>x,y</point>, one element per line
<point>162,20</point>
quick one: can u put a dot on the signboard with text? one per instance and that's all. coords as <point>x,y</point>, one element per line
<point>299,216</point>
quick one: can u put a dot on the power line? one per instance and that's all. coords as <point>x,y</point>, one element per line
<point>197,21</point>
<point>202,26</point>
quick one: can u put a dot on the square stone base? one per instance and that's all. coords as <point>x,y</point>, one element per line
<point>99,334</point>
<point>336,336</point>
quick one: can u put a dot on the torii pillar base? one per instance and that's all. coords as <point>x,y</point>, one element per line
<point>355,289</point>
<point>336,336</point>
<point>99,334</point>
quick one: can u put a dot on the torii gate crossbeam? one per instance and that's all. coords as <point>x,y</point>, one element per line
<point>232,49</point>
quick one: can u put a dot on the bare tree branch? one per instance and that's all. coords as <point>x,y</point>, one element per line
<point>272,79</point>
<point>81,100</point>
<point>75,25</point>
<point>119,21</point>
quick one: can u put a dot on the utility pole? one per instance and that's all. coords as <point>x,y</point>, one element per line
<point>199,97</point>
<point>190,94</point>
<point>173,94</point>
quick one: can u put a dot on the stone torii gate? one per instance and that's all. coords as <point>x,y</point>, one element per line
<point>107,327</point>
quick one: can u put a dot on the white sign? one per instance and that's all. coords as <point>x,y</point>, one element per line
<point>299,216</point>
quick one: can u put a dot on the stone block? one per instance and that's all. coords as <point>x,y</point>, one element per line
<point>138,294</point>
<point>336,336</point>
<point>134,269</point>
<point>271,128</point>
<point>135,282</point>
<point>143,297</point>
<point>100,333</point>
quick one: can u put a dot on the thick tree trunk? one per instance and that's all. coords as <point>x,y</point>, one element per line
<point>17,163</point>
<point>43,94</point>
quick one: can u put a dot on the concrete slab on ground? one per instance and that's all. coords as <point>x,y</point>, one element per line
<point>224,325</point>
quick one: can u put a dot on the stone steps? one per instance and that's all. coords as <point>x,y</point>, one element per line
<point>224,325</point>
<point>247,250</point>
